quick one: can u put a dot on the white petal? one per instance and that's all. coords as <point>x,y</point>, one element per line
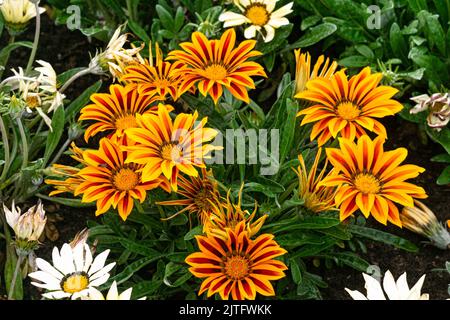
<point>373,287</point>
<point>46,286</point>
<point>278,22</point>
<point>80,294</point>
<point>284,10</point>
<point>99,262</point>
<point>232,16</point>
<point>250,32</point>
<point>270,33</point>
<point>426,296</point>
<point>414,294</point>
<point>355,294</point>
<point>113,294</point>
<point>99,281</point>
<point>94,294</point>
<point>78,257</point>
<point>67,258</point>
<point>57,261</point>
<point>51,282</point>
<point>390,286</point>
<point>102,271</point>
<point>87,258</point>
<point>126,295</point>
<point>402,287</point>
<point>56,295</point>
<point>47,267</point>
<point>270,5</point>
<point>245,3</point>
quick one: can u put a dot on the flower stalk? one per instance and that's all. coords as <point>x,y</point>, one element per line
<point>36,38</point>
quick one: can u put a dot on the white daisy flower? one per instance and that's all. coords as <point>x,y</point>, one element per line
<point>113,294</point>
<point>394,290</point>
<point>18,12</point>
<point>260,15</point>
<point>73,273</point>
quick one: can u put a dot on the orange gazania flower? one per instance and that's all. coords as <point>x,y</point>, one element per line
<point>347,106</point>
<point>216,63</point>
<point>115,111</point>
<point>303,74</point>
<point>229,215</point>
<point>109,181</point>
<point>237,266</point>
<point>200,194</point>
<point>371,179</point>
<point>165,147</point>
<point>317,198</point>
<point>155,77</point>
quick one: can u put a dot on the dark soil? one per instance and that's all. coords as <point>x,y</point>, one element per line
<point>65,49</point>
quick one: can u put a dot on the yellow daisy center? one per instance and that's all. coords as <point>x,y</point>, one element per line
<point>171,152</point>
<point>75,282</point>
<point>215,72</point>
<point>348,110</point>
<point>125,179</point>
<point>126,122</point>
<point>236,267</point>
<point>367,183</point>
<point>257,14</point>
<point>32,102</point>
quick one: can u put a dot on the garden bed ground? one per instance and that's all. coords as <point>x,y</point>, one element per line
<point>73,51</point>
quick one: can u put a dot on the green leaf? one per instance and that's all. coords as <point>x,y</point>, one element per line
<point>74,203</point>
<point>384,237</point>
<point>135,247</point>
<point>314,35</point>
<point>82,100</point>
<point>66,75</point>
<point>308,223</point>
<point>138,31</point>
<point>443,158</point>
<point>145,288</point>
<point>354,62</point>
<point>55,135</point>
<point>444,177</point>
<point>165,17</point>
<point>398,43</point>
<point>192,233</point>
<point>352,260</point>
<point>313,250</point>
<point>309,22</point>
<point>435,32</point>
<point>442,137</point>
<point>179,19</point>
<point>288,129</point>
<point>132,268</point>
<point>10,265</point>
<point>295,271</point>
<point>338,232</point>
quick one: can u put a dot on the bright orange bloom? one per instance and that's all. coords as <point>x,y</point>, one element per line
<point>159,77</point>
<point>303,74</point>
<point>317,198</point>
<point>347,106</point>
<point>115,111</point>
<point>228,215</point>
<point>110,181</point>
<point>165,146</point>
<point>200,195</point>
<point>371,179</point>
<point>237,266</point>
<point>215,64</point>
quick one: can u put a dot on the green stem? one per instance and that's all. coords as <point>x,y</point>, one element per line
<point>36,39</point>
<point>60,152</point>
<point>75,77</point>
<point>23,137</point>
<point>6,148</point>
<point>14,278</point>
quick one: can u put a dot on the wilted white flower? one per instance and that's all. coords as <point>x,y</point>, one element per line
<point>439,109</point>
<point>113,294</point>
<point>27,227</point>
<point>73,273</point>
<point>260,15</point>
<point>17,13</point>
<point>394,290</point>
<point>40,93</point>
<point>420,219</point>
<point>115,58</point>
